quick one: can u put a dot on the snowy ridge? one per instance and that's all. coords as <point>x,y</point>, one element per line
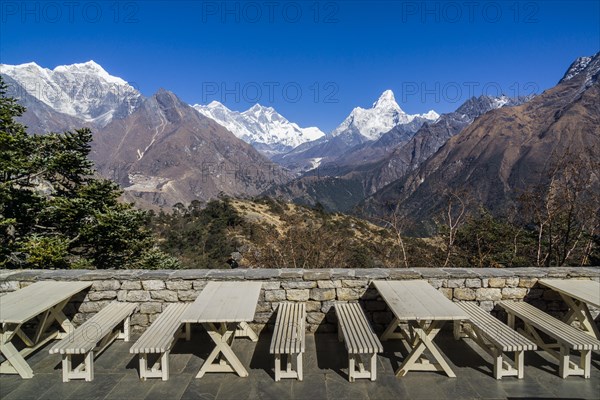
<point>82,90</point>
<point>260,125</point>
<point>379,119</point>
<point>578,66</point>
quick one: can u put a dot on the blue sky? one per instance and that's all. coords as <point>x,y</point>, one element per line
<point>311,60</point>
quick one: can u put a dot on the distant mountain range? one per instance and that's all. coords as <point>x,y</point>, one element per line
<point>351,176</point>
<point>163,151</point>
<point>263,127</point>
<point>508,150</point>
<point>83,91</point>
<point>360,127</point>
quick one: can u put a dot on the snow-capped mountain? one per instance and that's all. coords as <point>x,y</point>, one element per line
<point>575,68</point>
<point>85,90</point>
<point>263,127</point>
<point>379,119</point>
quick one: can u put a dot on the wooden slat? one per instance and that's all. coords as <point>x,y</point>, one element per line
<point>84,338</point>
<point>417,300</point>
<point>159,336</point>
<point>495,330</point>
<point>288,335</point>
<point>358,335</point>
<point>587,291</point>
<point>563,333</point>
<point>21,305</point>
<point>224,302</point>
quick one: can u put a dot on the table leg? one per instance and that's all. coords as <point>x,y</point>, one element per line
<point>15,363</point>
<point>61,318</point>
<point>390,332</point>
<point>424,341</point>
<point>222,337</point>
<point>579,311</point>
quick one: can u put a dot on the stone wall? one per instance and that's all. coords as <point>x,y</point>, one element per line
<point>319,289</point>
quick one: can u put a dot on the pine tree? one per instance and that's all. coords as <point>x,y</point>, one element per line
<point>55,212</point>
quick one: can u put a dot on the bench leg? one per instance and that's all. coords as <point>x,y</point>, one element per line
<point>85,370</point>
<point>89,366</point>
<point>277,367</point>
<point>356,367</point>
<point>66,367</point>
<point>563,362</point>
<point>585,363</point>
<point>498,363</point>
<point>299,366</point>
<point>520,363</point>
<point>143,366</point>
<point>164,365</point>
<point>125,333</point>
<point>373,367</point>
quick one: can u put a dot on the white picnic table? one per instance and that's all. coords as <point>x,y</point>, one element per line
<point>224,309</point>
<point>45,300</point>
<point>425,310</point>
<point>578,294</point>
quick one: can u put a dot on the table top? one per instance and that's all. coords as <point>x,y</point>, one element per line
<point>418,300</point>
<point>21,305</point>
<point>584,290</point>
<point>224,302</point>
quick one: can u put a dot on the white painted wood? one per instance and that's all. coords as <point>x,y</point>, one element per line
<point>160,338</point>
<point>426,310</point>
<point>584,290</point>
<point>289,339</point>
<point>21,305</point>
<point>93,337</point>
<point>359,340</point>
<point>497,338</point>
<point>224,308</point>
<point>417,300</point>
<point>578,293</point>
<point>566,337</point>
<point>44,299</point>
<point>224,302</point>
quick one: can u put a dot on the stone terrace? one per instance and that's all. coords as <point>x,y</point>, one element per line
<point>325,361</point>
<point>116,376</point>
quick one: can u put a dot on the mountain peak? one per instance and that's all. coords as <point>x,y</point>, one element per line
<point>212,104</point>
<point>386,100</point>
<point>260,108</point>
<point>66,90</point>
<point>580,65</point>
<point>92,68</point>
<point>262,126</point>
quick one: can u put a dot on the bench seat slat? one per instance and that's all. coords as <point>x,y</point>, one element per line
<point>83,339</point>
<point>359,339</point>
<point>496,331</point>
<point>288,339</point>
<point>159,336</point>
<point>562,332</point>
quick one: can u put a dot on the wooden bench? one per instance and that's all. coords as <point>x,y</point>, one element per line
<point>93,336</point>
<point>160,338</point>
<point>496,338</point>
<point>566,337</point>
<point>359,339</point>
<point>288,339</point>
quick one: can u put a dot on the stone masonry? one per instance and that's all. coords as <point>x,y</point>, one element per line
<point>319,289</point>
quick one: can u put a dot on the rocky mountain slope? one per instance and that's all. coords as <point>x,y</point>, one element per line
<point>166,152</point>
<point>348,179</point>
<point>509,149</point>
